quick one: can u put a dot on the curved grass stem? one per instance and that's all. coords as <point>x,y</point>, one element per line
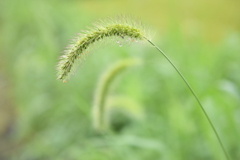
<point>194,94</point>
<point>99,109</point>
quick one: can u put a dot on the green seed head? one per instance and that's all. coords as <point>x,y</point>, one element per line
<point>121,27</point>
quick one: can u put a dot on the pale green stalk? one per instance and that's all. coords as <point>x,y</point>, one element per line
<point>99,110</point>
<point>194,94</point>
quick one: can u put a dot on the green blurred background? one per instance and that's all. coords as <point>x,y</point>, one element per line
<point>42,118</point>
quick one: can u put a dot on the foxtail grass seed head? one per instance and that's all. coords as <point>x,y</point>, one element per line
<point>121,27</point>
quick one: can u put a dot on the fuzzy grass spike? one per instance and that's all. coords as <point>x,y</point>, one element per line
<point>121,28</point>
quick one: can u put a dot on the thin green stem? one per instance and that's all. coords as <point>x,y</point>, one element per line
<point>190,88</point>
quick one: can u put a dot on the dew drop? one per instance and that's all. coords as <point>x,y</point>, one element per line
<point>118,42</point>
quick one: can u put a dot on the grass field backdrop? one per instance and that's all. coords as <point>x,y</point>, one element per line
<point>42,118</point>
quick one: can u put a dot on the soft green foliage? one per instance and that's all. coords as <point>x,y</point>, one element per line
<point>51,120</point>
